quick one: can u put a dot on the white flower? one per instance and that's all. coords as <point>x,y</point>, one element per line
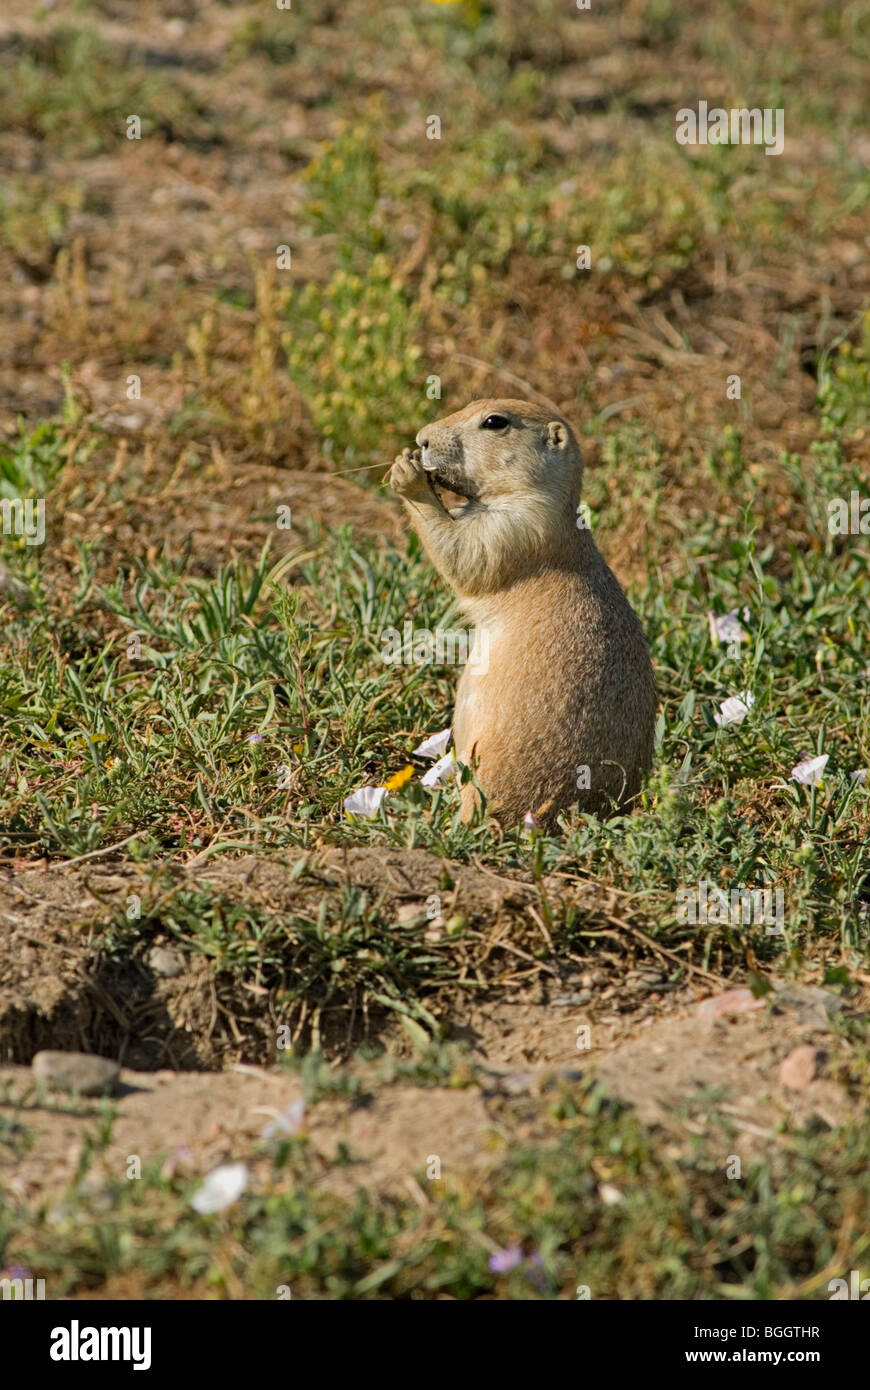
<point>809,771</point>
<point>439,772</point>
<point>222,1187</point>
<point>365,802</point>
<point>859,776</point>
<point>727,628</point>
<point>735,709</point>
<point>435,746</point>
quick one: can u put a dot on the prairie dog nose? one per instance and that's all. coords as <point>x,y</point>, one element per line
<point>423,440</point>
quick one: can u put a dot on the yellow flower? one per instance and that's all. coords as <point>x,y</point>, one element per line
<point>399,779</point>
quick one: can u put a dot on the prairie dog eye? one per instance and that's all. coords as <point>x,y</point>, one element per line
<point>495,422</point>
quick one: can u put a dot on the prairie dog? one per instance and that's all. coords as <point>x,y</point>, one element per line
<point>564,710</point>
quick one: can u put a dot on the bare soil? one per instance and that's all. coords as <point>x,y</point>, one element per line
<point>646,1043</point>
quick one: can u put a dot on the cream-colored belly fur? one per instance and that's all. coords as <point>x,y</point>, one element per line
<point>567,698</point>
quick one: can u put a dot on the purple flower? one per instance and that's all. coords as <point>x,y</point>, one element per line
<point>536,1272</point>
<point>255,738</point>
<point>503,1261</point>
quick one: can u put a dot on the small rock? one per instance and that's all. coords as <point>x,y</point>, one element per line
<point>132,422</point>
<point>610,1195</point>
<point>98,1191</point>
<point>733,1001</point>
<point>79,1072</point>
<point>411,912</point>
<point>165,962</point>
<point>645,976</point>
<point>801,1066</point>
<point>810,1003</point>
<point>518,1083</point>
<point>561,1001</point>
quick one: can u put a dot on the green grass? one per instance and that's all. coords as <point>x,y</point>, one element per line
<point>76,91</point>
<point>682,1229</point>
<point>30,463</point>
<point>844,388</point>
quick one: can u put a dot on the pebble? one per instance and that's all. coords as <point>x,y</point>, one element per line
<point>733,1001</point>
<point>800,1067</point>
<point>411,912</point>
<point>165,962</point>
<point>810,1003</point>
<point>79,1072</point>
<point>644,978</point>
<point>518,1083</point>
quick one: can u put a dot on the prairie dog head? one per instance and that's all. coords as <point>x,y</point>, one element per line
<point>504,456</point>
<point>505,476</point>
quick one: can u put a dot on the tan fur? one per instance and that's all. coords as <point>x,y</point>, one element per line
<point>569,680</point>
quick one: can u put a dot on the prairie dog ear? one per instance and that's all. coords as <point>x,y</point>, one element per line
<point>556,436</point>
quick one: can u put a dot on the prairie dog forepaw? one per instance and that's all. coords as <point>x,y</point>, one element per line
<point>408,477</point>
